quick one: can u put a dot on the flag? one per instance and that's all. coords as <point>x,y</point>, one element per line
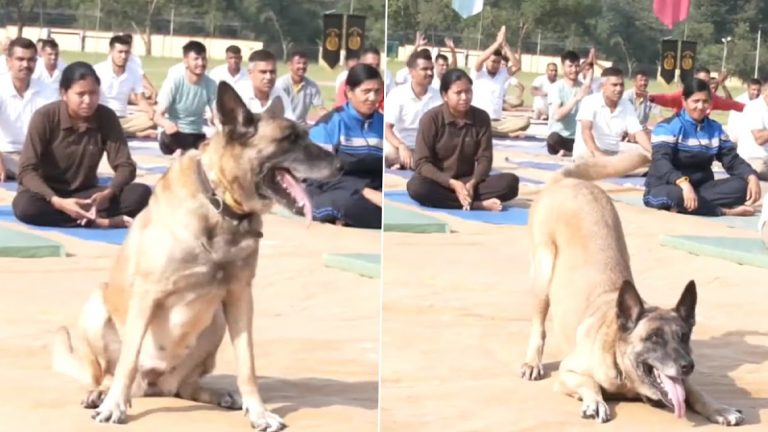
<point>668,60</point>
<point>332,34</point>
<point>671,12</point>
<point>355,34</point>
<point>467,8</point>
<point>687,60</point>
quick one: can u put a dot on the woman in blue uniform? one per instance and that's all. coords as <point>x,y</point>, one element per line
<point>684,146</point>
<point>355,133</point>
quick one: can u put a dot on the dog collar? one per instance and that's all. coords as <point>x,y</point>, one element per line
<point>218,203</point>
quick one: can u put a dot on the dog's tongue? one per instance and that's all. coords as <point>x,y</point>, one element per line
<point>297,191</point>
<point>676,391</point>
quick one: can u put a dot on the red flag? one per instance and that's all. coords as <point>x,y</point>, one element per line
<point>671,12</point>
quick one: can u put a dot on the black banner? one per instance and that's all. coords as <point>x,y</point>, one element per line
<point>333,32</point>
<point>687,60</point>
<point>668,60</point>
<point>355,34</point>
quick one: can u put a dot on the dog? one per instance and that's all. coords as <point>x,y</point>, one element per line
<point>616,344</point>
<point>183,275</point>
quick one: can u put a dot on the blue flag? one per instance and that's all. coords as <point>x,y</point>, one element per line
<point>467,8</point>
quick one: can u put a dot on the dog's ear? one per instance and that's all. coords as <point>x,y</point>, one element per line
<point>234,115</point>
<point>629,307</point>
<point>686,306</point>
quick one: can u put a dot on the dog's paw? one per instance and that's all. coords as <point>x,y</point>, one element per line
<point>595,409</point>
<point>231,400</point>
<point>532,372</point>
<point>726,416</point>
<point>93,399</point>
<point>264,421</point>
<point>111,410</point>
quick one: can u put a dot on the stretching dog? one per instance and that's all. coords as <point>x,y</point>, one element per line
<point>616,343</point>
<point>184,274</point>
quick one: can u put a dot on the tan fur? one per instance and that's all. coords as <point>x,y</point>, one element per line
<point>183,276</point>
<point>579,262</point>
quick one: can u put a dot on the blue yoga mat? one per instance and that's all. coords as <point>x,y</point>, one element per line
<point>114,236</point>
<point>508,216</point>
<point>546,166</point>
<point>407,174</point>
<point>157,169</point>
<point>13,185</point>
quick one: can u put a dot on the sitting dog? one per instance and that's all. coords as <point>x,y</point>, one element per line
<point>617,344</point>
<point>183,275</point>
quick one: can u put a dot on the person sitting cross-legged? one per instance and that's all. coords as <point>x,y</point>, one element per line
<point>454,154</point>
<point>680,178</point>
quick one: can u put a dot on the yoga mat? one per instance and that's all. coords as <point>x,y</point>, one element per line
<point>508,216</point>
<point>744,251</point>
<point>114,236</point>
<point>367,265</point>
<point>152,169</point>
<point>743,222</point>
<point>13,185</point>
<point>546,166</point>
<point>20,244</point>
<point>407,174</point>
<point>399,219</point>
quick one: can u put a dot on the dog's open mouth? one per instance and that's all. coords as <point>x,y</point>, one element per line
<point>288,191</point>
<point>671,389</point>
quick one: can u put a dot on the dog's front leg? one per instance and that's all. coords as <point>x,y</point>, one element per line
<point>712,410</point>
<point>238,309</point>
<point>586,389</point>
<point>113,407</point>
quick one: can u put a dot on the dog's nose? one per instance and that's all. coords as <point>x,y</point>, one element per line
<point>686,367</point>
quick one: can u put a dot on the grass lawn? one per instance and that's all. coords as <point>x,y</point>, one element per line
<point>655,86</point>
<point>157,67</point>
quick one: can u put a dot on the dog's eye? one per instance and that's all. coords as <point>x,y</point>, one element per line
<point>655,337</point>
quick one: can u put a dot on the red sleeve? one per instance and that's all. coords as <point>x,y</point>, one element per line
<point>722,104</point>
<point>341,95</point>
<point>668,100</point>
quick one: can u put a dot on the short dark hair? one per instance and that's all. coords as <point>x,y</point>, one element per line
<point>442,57</point>
<point>194,46</point>
<point>422,54</point>
<point>297,53</point>
<point>497,53</point>
<point>360,73</point>
<point>261,55</point>
<point>50,44</point>
<point>570,56</point>
<point>233,49</point>
<point>21,43</point>
<point>612,71</point>
<point>77,71</point>
<point>370,50</point>
<point>754,81</point>
<point>700,69</point>
<point>129,37</point>
<point>119,40</point>
<point>695,86</point>
<point>451,76</point>
<point>641,72</point>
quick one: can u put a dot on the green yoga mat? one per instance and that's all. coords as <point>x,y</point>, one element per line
<point>743,222</point>
<point>20,244</point>
<point>744,251</point>
<point>368,265</point>
<point>399,219</point>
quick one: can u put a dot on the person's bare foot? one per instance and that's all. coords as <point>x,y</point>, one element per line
<point>113,222</point>
<point>396,166</point>
<point>739,211</point>
<point>492,204</point>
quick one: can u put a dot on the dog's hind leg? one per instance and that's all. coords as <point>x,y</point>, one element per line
<point>192,389</point>
<point>583,387</point>
<point>712,410</point>
<point>542,264</point>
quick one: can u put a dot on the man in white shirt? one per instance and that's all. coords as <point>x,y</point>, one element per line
<point>260,93</point>
<point>121,81</point>
<point>753,142</point>
<point>539,89</point>
<point>303,92</point>
<point>605,118</point>
<point>150,92</point>
<point>442,64</point>
<point>48,69</point>
<point>232,71</point>
<point>405,106</point>
<point>489,86</point>
<point>735,118</point>
<point>20,96</point>
<point>638,97</point>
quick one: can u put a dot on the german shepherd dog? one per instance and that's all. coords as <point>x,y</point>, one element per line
<point>184,274</point>
<point>616,344</point>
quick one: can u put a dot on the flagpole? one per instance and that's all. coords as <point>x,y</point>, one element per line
<point>480,32</point>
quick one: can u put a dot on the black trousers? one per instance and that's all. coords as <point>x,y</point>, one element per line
<point>342,200</point>
<point>179,140</point>
<point>32,208</point>
<point>556,143</point>
<point>430,193</point>
<point>712,196</point>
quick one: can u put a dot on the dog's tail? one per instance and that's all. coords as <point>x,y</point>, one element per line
<point>67,362</point>
<point>605,167</point>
